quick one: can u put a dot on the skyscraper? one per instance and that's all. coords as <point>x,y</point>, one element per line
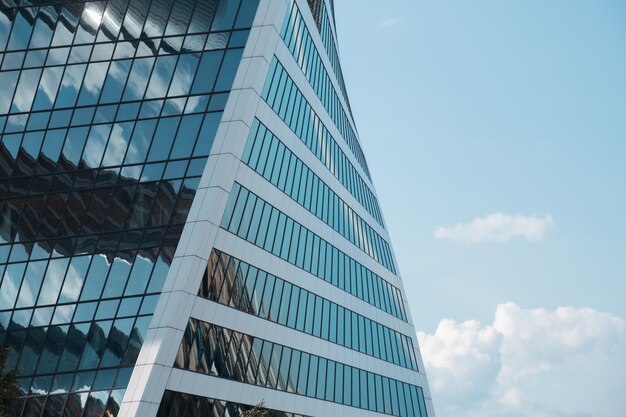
<point>187,221</point>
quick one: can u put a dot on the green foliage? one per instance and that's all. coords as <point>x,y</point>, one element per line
<point>258,410</point>
<point>8,383</point>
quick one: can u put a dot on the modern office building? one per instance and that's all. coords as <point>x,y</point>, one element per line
<point>187,221</point>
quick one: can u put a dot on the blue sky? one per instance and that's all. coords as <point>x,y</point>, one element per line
<point>469,109</point>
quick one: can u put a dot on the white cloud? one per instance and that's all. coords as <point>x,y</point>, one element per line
<point>393,21</point>
<point>531,363</point>
<point>497,227</point>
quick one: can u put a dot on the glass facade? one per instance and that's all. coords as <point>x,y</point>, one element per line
<point>237,284</point>
<point>214,350</point>
<point>164,220</point>
<point>284,97</point>
<point>326,30</point>
<point>287,239</point>
<point>107,115</point>
<point>300,43</point>
<point>270,158</point>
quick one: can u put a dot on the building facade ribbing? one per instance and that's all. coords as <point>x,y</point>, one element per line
<point>188,224</point>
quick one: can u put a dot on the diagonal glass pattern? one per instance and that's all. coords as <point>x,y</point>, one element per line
<point>107,116</point>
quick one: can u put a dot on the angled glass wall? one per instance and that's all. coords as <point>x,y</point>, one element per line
<point>108,112</point>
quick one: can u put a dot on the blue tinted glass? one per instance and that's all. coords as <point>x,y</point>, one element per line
<point>96,243</point>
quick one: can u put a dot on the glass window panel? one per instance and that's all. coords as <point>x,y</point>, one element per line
<point>149,304</point>
<point>53,281</point>
<point>157,18</point>
<point>284,303</point>
<point>85,311</point>
<point>117,277</point>
<point>83,116</point>
<point>140,141</point>
<point>161,76</point>
<point>26,89</point>
<point>395,405</point>
<point>55,340</point>
<point>325,319</point>
<point>341,338</point>
<point>163,138</point>
<point>5,28</point>
<point>321,379</point>
<point>96,143</point>
<point>72,80</point>
<point>228,69</point>
<point>252,365</point>
<point>351,328</point>
<point>283,370</point>
<point>292,379</point>
<point>139,276</point>
<point>184,75</point>
<point>63,314</point>
<point>264,363</point>
<point>208,67</point>
<point>92,84</point>
<point>95,278</point>
<point>371,392</point>
<point>22,28</point>
<point>257,292</point>
<point>75,143</point>
<point>89,22</point>
<point>274,362</point>
<point>138,79</point>
<point>386,395</point>
<point>333,323</point>
<point>31,285</point>
<point>118,143</point>
<point>52,145</point>
<point>48,87</point>
<point>302,307</point>
<point>303,373</point>
<point>264,309</point>
<point>338,383</point>
<point>207,134</point>
<point>312,377</point>
<point>225,16</point>
<point>276,300</point>
<point>362,333</point>
<point>94,347</point>
<point>179,18</point>
<point>317,320</point>
<point>347,385</point>
<point>115,80</point>
<point>42,316</point>
<point>107,309</point>
<point>294,298</point>
<point>129,306</point>
<point>186,136</point>
<point>13,60</point>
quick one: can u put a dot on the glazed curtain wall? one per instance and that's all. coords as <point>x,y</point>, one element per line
<point>262,224</point>
<point>285,98</point>
<point>213,350</point>
<point>299,42</point>
<point>107,114</point>
<point>270,158</point>
<point>232,282</point>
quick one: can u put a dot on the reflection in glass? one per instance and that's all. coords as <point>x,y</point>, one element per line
<point>88,225</point>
